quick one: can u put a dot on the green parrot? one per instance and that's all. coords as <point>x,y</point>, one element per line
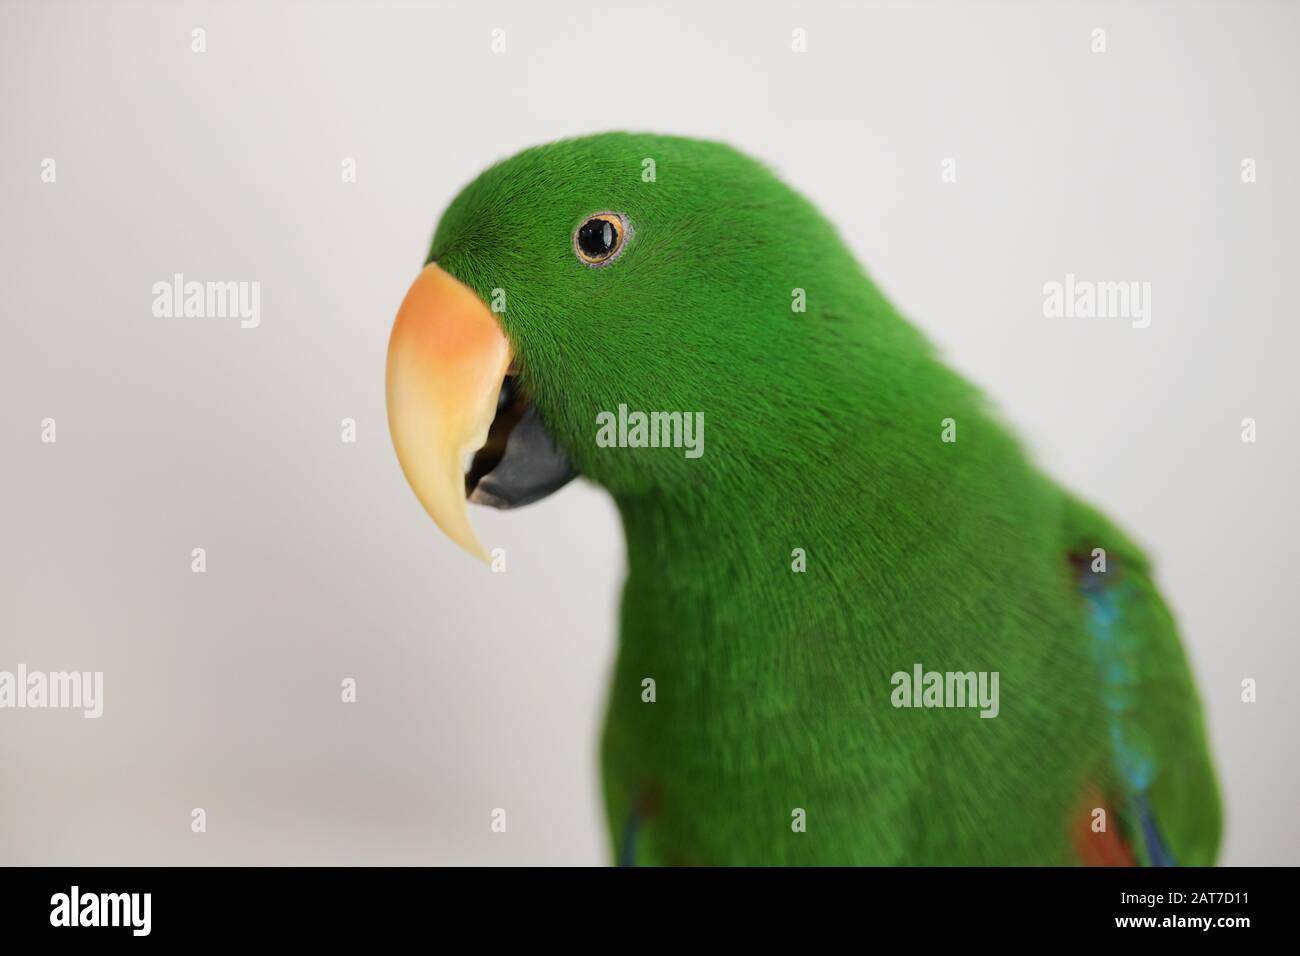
<point>858,626</point>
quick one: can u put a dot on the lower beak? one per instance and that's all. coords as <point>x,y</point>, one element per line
<point>447,358</point>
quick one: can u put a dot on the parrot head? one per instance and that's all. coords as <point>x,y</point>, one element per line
<point>611,275</point>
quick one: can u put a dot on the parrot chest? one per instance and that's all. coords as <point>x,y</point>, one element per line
<point>745,732</point>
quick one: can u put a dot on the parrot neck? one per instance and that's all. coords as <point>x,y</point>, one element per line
<point>742,610</point>
<point>763,567</point>
<point>778,564</point>
<point>793,544</point>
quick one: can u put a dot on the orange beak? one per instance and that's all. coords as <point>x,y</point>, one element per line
<point>447,357</point>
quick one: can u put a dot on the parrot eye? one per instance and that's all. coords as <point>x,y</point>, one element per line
<point>600,239</point>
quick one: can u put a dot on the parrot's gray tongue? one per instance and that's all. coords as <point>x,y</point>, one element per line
<point>520,463</point>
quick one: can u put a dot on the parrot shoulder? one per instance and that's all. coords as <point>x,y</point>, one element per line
<point>1161,782</point>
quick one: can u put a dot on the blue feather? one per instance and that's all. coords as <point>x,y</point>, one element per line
<point>1118,693</point>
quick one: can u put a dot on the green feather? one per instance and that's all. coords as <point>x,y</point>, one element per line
<point>822,433</point>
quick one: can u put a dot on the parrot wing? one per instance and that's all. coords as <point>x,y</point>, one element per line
<point>1160,794</point>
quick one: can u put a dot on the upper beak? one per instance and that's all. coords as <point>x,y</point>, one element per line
<point>447,358</point>
<point>452,391</point>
